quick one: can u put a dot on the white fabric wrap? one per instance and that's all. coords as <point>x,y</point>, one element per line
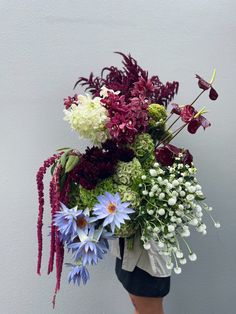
<point>148,260</point>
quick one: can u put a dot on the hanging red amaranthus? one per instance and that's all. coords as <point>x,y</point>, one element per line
<point>39,178</point>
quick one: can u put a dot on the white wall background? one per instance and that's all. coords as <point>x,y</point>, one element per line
<point>45,46</point>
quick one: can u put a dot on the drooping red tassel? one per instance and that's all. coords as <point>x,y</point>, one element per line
<point>53,228</point>
<point>39,178</point>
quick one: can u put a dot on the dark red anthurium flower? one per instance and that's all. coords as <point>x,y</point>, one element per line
<point>187,157</point>
<point>195,123</point>
<point>176,109</point>
<point>213,95</point>
<point>187,113</point>
<point>166,155</point>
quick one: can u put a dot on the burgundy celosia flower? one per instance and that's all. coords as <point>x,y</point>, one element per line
<point>131,80</point>
<point>125,154</point>
<point>213,95</point>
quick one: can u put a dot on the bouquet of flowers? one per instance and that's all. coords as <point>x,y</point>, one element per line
<point>131,179</point>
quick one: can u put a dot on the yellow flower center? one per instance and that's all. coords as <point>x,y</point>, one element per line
<point>111,208</point>
<point>81,222</point>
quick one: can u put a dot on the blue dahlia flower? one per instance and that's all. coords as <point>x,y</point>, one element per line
<point>78,273</point>
<point>92,246</point>
<point>68,220</point>
<point>112,209</point>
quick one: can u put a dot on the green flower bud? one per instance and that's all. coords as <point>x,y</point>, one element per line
<point>157,112</point>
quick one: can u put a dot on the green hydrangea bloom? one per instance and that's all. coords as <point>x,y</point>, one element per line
<point>157,112</point>
<point>128,195</point>
<point>143,145</point>
<point>89,197</point>
<point>144,149</point>
<point>128,172</point>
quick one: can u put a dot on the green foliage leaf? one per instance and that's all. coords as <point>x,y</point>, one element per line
<point>53,168</point>
<point>71,163</point>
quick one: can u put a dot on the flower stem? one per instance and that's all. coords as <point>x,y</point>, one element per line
<point>173,123</point>
<point>197,97</point>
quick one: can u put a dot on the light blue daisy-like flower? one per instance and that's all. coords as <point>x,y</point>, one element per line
<point>78,273</point>
<point>112,210</point>
<point>68,220</point>
<point>92,246</point>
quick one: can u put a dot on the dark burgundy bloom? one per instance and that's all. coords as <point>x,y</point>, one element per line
<point>176,109</point>
<point>187,157</point>
<point>187,113</point>
<point>69,101</point>
<point>86,173</point>
<point>131,81</point>
<point>195,123</point>
<point>126,119</point>
<point>213,94</point>
<point>205,86</point>
<point>175,150</point>
<point>96,164</point>
<point>125,154</point>
<point>166,155</point>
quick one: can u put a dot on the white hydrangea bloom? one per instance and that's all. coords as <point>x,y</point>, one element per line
<point>89,119</point>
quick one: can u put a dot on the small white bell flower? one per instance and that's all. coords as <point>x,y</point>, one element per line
<point>192,257</point>
<point>179,254</point>
<point>177,270</point>
<point>217,224</point>
<point>175,182</point>
<point>183,261</point>
<point>171,228</point>
<point>161,196</point>
<point>172,201</point>
<point>161,244</point>
<point>147,246</point>
<point>153,172</point>
<point>161,211</point>
<point>169,265</point>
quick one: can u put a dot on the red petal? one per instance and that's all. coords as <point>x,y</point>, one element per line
<point>175,150</point>
<point>202,83</point>
<point>204,122</point>
<point>193,126</point>
<point>213,94</point>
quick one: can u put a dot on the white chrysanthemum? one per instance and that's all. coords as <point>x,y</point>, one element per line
<point>88,119</point>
